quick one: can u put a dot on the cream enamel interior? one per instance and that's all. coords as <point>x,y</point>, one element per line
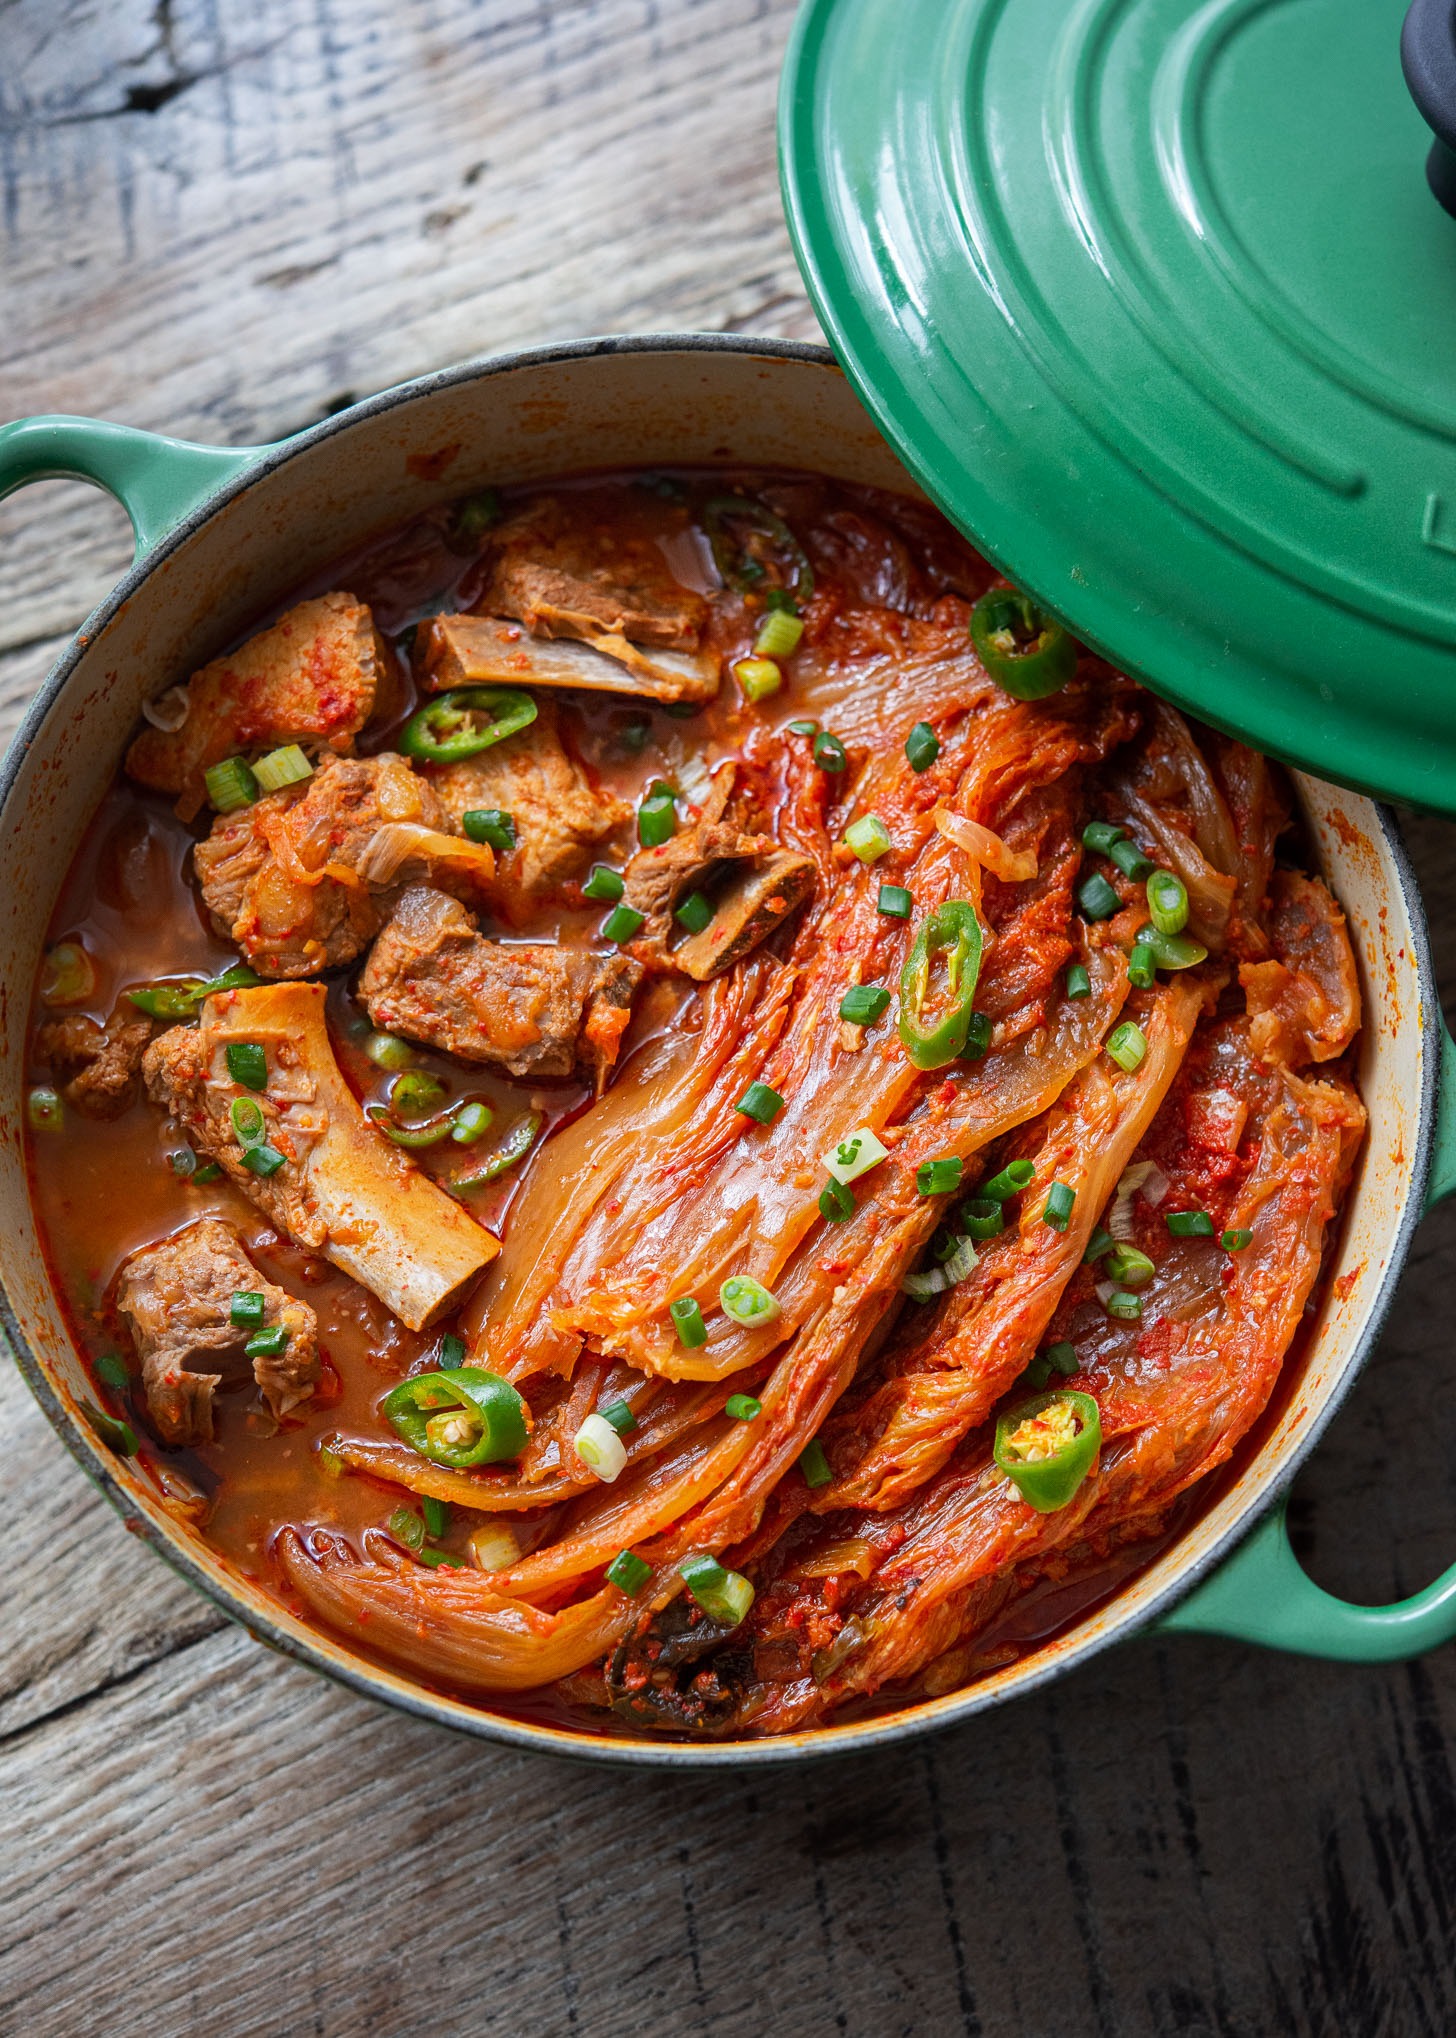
<point>533,418</point>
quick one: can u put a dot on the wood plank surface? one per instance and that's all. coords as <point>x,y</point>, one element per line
<point>221,218</point>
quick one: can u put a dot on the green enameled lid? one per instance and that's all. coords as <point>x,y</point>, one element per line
<point>1154,299</point>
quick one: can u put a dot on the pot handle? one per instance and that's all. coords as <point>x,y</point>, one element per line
<point>1262,1593</point>
<point>158,481</point>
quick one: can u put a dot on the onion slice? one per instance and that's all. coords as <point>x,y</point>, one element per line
<point>1012,866</point>
<point>400,842</point>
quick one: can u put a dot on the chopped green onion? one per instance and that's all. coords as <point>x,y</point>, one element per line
<point>491,825</point>
<point>619,1415</point>
<point>924,1287</point>
<point>695,913</point>
<point>1097,898</point>
<point>742,1407</point>
<point>760,1103</point>
<point>1189,1224</point>
<point>1235,1241</point>
<point>183,1162</point>
<point>407,1528</point>
<point>628,1573</point>
<point>44,1110</point>
<point>939,1177</point>
<point>267,1343</point>
<point>868,837</point>
<point>1099,1243</point>
<point>757,677</point>
<point>437,1515</point>
<point>230,785</point>
<point>207,1172</point>
<point>856,1155</point>
<point>1127,1044</point>
<point>1038,1370</point>
<point>1100,836</point>
<point>1129,1267</point>
<point>442,1560</point>
<point>778,635</point>
<point>978,1037</point>
<point>388,1051</point>
<point>471,1122</point>
<point>922,747</point>
<point>835,1203</point>
<point>688,1321</point>
<point>247,1309</point>
<point>478,513</point>
<point>863,1004</point>
<point>1141,968</point>
<point>249,1124</point>
<point>1130,860</point>
<point>983,1217</point>
<point>1126,1308</point>
<point>781,598</point>
<point>119,1435</point>
<point>1172,951</point>
<point>414,1093</point>
<point>1010,1182</point>
<point>1167,902</point>
<point>657,817</point>
<point>622,923</point>
<point>1063,1359</point>
<point>725,1596</point>
<point>110,1370</point>
<point>895,902</point>
<point>603,883</point>
<point>452,1350</point>
<point>69,976</point>
<point>814,1464</point>
<point>262,1160</point>
<point>803,728</point>
<point>247,1063</point>
<point>279,768</point>
<point>829,753</point>
<point>1079,984</point>
<point>601,1449</point>
<point>1058,1210</point>
<point>748,1302</point>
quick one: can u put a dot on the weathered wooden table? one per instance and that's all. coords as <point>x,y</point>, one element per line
<point>222,218</point>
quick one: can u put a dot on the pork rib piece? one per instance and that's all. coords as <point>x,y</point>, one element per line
<point>176,1297</point>
<point>98,1067</point>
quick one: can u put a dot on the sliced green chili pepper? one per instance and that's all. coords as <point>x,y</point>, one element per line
<point>1171,951</point>
<point>514,1147</point>
<point>461,1417</point>
<point>464,722</point>
<point>742,554</point>
<point>953,931</point>
<point>1027,653</point>
<point>1048,1445</point>
<point>412,1136</point>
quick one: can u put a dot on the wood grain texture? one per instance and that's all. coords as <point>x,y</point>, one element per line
<point>220,218</point>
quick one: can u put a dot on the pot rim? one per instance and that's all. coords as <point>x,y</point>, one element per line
<point>320,1651</point>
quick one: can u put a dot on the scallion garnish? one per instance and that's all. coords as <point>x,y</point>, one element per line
<point>619,1415</point>
<point>1099,1243</point>
<point>814,1464</point>
<point>863,1004</point>
<point>856,1155</point>
<point>603,883</point>
<point>1127,1044</point>
<point>939,1177</point>
<point>688,1321</point>
<point>279,768</point>
<point>1100,836</point>
<point>491,825</point>
<point>895,902</point>
<point>922,747</point>
<point>247,1063</point>
<point>1172,951</point>
<point>1127,1308</point>
<point>118,1435</point>
<point>471,1122</point>
<point>249,1124</point>
<point>1167,902</point>
<point>230,785</point>
<point>262,1160</point>
<point>628,1573</point>
<point>835,1203</point>
<point>208,1171</point>
<point>802,728</point>
<point>388,1051</point>
<point>1130,860</point>
<point>1141,968</point>
<point>742,1407</point>
<point>452,1349</point>
<point>415,1093</point>
<point>267,1343</point>
<point>1235,1241</point>
<point>407,1528</point>
<point>978,1037</point>
<point>1058,1208</point>
<point>110,1370</point>
<point>247,1309</point>
<point>656,817</point>
<point>829,753</point>
<point>1129,1267</point>
<point>622,923</point>
<point>1189,1224</point>
<point>1097,898</point>
<point>724,1596</point>
<point>1063,1359</point>
<point>1079,984</point>
<point>748,1302</point>
<point>757,677</point>
<point>868,837</point>
<point>760,1103</point>
<point>600,1448</point>
<point>44,1110</point>
<point>1012,1179</point>
<point>695,913</point>
<point>778,635</point>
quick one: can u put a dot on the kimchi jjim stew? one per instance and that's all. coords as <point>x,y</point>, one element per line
<point>660,1099</point>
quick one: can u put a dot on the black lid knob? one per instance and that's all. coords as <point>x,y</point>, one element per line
<point>1428,58</point>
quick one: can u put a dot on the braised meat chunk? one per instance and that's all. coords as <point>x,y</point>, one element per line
<point>98,1067</point>
<point>563,576</point>
<point>559,817</point>
<point>315,677</point>
<point>751,883</point>
<point>301,880</point>
<point>177,1299</point>
<point>302,1149</point>
<point>534,1011</point>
